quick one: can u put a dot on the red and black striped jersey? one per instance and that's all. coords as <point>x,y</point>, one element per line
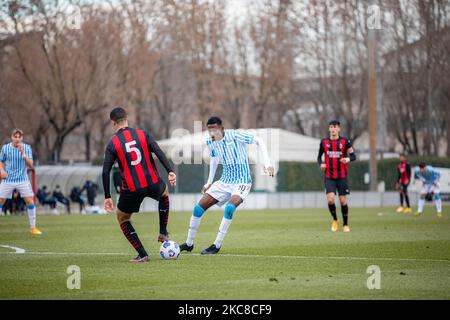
<point>335,151</point>
<point>132,149</point>
<point>404,172</point>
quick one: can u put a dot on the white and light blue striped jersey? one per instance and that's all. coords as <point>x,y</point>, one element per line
<point>14,163</point>
<point>232,152</point>
<point>430,176</point>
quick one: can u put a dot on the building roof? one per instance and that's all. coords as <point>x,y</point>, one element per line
<point>282,146</point>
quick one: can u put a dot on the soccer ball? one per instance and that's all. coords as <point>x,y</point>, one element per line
<point>169,250</point>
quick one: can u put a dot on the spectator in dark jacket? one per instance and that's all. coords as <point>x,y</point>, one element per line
<point>91,190</point>
<point>59,196</point>
<point>75,196</point>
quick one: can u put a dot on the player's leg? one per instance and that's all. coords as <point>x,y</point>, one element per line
<point>343,191</point>
<point>227,218</point>
<point>405,192</point>
<point>31,210</point>
<point>422,199</point>
<point>331,198</point>
<point>129,232</point>
<point>163,209</point>
<point>330,189</point>
<point>27,192</point>
<point>2,203</point>
<point>402,196</point>
<point>437,200</point>
<point>129,203</point>
<point>238,193</point>
<point>204,204</point>
<point>6,190</point>
<point>344,209</point>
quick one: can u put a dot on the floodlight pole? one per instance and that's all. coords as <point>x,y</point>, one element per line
<point>372,105</point>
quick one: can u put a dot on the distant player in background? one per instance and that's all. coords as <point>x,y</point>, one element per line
<point>77,197</point>
<point>430,185</point>
<point>403,180</point>
<point>15,158</point>
<point>338,153</point>
<point>59,196</point>
<point>91,191</point>
<point>228,146</point>
<point>133,149</point>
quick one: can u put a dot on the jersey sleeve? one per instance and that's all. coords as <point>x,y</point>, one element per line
<point>349,146</point>
<point>417,174</point>
<point>154,147</point>
<point>349,149</point>
<point>244,137</point>
<point>212,151</point>
<point>321,152</point>
<point>437,175</point>
<point>110,158</point>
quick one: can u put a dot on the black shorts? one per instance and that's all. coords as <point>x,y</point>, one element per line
<point>130,202</point>
<point>341,185</point>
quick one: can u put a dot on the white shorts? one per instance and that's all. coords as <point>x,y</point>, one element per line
<point>430,188</point>
<point>223,192</point>
<point>6,189</point>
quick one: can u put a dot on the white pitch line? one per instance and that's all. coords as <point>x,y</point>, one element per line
<point>70,253</point>
<point>239,256</point>
<point>333,258</point>
<point>17,250</point>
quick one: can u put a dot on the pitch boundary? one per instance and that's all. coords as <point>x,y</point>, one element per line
<point>225,255</point>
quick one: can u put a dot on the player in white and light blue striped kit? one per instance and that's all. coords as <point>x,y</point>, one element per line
<point>228,146</point>
<point>15,157</point>
<point>430,184</point>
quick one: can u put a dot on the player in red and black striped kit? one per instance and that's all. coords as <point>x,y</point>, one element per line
<point>132,149</point>
<point>338,153</point>
<point>403,180</point>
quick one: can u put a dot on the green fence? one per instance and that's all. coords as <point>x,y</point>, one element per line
<point>307,176</point>
<point>192,177</point>
<point>297,176</point>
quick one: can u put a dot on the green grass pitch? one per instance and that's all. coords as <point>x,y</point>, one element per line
<point>269,254</point>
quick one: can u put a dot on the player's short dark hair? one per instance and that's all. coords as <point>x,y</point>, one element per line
<point>118,114</point>
<point>422,164</point>
<point>334,123</point>
<point>214,120</point>
<point>402,155</point>
<point>17,131</point>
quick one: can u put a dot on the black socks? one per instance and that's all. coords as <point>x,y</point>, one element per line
<point>163,207</point>
<point>345,214</point>
<point>133,238</point>
<point>332,208</point>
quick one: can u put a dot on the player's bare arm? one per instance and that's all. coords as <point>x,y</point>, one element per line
<point>28,161</point>
<point>3,173</point>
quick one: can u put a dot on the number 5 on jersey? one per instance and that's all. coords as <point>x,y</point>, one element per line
<point>131,147</point>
